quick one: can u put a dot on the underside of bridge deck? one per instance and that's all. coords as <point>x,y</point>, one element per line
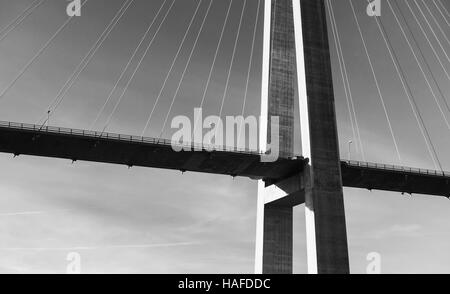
<point>19,139</point>
<point>395,179</point>
<point>79,145</point>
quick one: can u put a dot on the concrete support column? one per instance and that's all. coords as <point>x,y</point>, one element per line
<point>324,211</point>
<point>278,239</point>
<point>275,225</point>
<point>274,241</point>
<point>275,222</point>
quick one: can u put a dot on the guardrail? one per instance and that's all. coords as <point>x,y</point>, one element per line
<point>397,168</point>
<point>120,137</point>
<point>166,142</point>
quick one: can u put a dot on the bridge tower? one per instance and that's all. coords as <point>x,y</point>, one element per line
<point>296,56</point>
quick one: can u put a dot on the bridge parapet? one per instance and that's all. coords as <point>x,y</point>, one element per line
<point>390,167</point>
<point>393,178</point>
<point>121,137</point>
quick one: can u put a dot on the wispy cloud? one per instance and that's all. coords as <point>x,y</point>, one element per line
<point>105,247</point>
<point>398,230</point>
<point>29,213</point>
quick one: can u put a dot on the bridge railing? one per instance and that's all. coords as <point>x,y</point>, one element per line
<point>397,168</point>
<point>121,137</point>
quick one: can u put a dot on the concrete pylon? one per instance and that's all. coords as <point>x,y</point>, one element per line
<point>296,52</point>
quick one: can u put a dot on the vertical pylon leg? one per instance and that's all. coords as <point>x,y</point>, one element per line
<point>274,238</point>
<point>278,239</point>
<point>325,214</point>
<point>274,224</point>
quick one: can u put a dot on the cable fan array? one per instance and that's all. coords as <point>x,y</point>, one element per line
<point>432,16</point>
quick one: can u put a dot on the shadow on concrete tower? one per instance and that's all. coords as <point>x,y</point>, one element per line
<point>296,56</point>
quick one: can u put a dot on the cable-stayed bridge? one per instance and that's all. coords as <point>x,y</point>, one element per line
<point>296,74</point>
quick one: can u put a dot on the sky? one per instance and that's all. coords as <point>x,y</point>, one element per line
<point>141,220</point>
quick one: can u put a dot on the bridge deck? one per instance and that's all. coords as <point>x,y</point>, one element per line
<point>24,139</point>
<point>395,178</point>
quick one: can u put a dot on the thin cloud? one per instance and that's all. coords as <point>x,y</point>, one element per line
<point>398,230</point>
<point>99,247</point>
<point>30,213</point>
